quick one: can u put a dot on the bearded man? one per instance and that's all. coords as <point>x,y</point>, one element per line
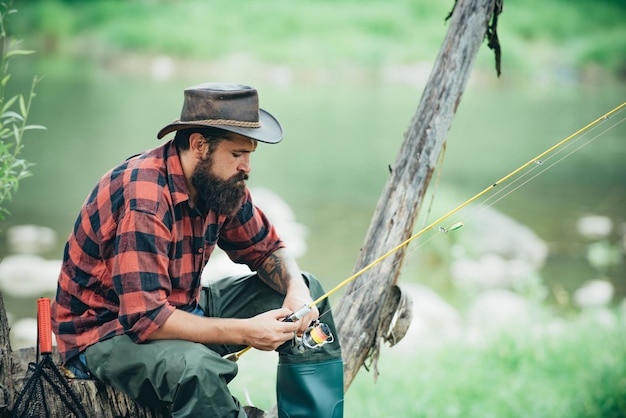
<point>130,308</point>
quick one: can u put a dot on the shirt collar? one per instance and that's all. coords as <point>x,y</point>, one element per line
<point>175,175</point>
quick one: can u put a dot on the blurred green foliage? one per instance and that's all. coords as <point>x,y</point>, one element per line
<point>572,33</point>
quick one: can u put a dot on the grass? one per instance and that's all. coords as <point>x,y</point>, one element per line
<point>578,372</point>
<point>571,370</point>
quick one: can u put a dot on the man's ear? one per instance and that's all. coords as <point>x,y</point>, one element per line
<point>198,144</point>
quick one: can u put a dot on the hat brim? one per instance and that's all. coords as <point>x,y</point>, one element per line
<point>270,131</point>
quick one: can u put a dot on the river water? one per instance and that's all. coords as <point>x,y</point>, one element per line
<point>340,140</point>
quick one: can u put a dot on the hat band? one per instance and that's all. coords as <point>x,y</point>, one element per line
<point>225,122</point>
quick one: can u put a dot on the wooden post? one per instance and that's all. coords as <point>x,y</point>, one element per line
<point>358,313</point>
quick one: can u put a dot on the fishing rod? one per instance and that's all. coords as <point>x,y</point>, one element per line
<point>317,335</point>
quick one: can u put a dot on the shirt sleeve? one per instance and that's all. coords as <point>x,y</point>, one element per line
<point>249,237</point>
<point>140,273</point>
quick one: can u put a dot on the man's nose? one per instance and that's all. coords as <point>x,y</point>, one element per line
<point>244,165</point>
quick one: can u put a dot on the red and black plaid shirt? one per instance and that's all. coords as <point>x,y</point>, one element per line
<point>138,249</point>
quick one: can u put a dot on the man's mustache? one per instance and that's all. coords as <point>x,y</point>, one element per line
<point>241,176</point>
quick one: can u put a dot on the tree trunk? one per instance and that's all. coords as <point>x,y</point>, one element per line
<point>7,390</point>
<point>358,313</point>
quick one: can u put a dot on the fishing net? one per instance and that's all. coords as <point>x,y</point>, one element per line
<point>46,392</point>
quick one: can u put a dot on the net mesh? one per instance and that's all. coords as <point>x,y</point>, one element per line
<point>46,393</point>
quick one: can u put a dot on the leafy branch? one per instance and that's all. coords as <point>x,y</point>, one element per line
<point>14,113</point>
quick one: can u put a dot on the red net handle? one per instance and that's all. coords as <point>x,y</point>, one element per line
<point>44,325</point>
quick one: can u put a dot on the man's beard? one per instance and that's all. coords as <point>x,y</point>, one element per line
<point>222,196</point>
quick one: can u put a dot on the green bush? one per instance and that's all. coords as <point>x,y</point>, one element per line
<point>13,117</point>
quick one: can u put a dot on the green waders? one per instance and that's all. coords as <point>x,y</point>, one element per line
<point>310,389</point>
<point>309,384</point>
<point>193,378</point>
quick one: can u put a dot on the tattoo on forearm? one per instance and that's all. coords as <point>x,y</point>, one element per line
<point>275,273</point>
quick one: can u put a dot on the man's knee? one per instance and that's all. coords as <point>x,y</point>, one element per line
<point>197,379</point>
<point>205,365</point>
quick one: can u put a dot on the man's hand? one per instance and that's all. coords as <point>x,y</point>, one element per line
<point>267,331</point>
<point>295,301</point>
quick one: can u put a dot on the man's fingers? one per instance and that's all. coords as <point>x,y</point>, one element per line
<point>308,320</point>
<point>281,313</point>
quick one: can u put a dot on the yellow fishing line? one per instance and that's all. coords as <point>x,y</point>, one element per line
<point>537,160</point>
<point>467,202</point>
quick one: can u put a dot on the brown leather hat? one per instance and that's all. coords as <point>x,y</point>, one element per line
<point>231,107</point>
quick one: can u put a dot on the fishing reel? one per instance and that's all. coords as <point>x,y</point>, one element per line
<point>315,336</point>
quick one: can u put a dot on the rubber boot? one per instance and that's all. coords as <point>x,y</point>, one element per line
<point>310,390</point>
